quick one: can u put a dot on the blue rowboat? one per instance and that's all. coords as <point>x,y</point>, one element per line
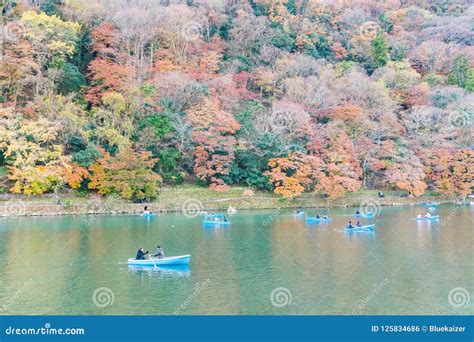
<point>368,214</point>
<point>176,260</point>
<point>216,223</point>
<point>301,213</point>
<point>316,219</point>
<point>432,218</point>
<point>208,217</point>
<point>149,214</point>
<point>367,228</point>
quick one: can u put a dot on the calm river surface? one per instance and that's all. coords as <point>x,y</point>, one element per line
<point>54,265</point>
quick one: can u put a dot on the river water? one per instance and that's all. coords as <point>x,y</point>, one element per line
<point>266,262</point>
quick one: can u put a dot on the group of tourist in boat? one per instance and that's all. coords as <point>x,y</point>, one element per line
<point>142,255</point>
<point>357,225</point>
<point>427,215</point>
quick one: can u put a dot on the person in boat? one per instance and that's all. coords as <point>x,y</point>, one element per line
<point>297,211</point>
<point>381,195</point>
<point>358,224</point>
<point>317,216</point>
<point>357,212</point>
<point>350,226</point>
<point>141,254</point>
<point>160,253</point>
<point>146,211</point>
<point>225,219</point>
<point>216,219</point>
<point>325,217</point>
<point>427,215</point>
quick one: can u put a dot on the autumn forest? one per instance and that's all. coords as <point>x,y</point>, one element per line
<point>289,96</point>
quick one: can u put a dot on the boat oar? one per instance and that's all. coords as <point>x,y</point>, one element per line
<point>151,257</point>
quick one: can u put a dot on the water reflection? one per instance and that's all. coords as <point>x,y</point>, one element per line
<point>360,235</point>
<point>161,271</point>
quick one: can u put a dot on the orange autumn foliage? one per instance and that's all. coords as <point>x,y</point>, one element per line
<point>293,175</point>
<point>74,175</point>
<point>128,174</point>
<point>342,171</point>
<point>215,143</point>
<point>452,172</point>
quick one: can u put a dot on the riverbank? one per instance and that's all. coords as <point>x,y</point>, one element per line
<point>192,199</point>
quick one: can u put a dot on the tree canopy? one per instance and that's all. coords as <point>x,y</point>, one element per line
<point>282,95</point>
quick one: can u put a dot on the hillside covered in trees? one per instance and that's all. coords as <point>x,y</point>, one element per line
<point>121,96</point>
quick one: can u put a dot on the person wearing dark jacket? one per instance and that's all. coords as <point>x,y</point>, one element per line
<point>141,254</point>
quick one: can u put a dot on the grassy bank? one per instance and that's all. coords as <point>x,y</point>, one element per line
<point>188,198</point>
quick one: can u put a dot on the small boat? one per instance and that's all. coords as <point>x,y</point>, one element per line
<point>301,213</point>
<point>149,214</point>
<point>231,210</point>
<point>367,228</point>
<point>431,218</point>
<point>208,217</point>
<point>317,219</point>
<point>176,260</point>
<point>216,223</point>
<point>369,214</point>
<point>430,204</point>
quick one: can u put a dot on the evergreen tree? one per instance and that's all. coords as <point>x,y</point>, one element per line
<point>380,49</point>
<point>462,74</point>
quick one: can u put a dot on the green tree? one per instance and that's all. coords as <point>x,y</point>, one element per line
<point>380,49</point>
<point>462,74</point>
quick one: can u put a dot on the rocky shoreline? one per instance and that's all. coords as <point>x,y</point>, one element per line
<point>25,206</point>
